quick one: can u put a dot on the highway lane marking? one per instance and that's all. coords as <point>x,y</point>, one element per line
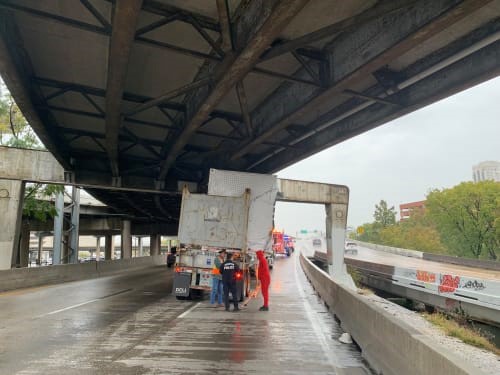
<point>83,303</point>
<point>189,310</point>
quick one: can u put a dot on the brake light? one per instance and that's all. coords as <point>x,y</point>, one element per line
<point>183,269</point>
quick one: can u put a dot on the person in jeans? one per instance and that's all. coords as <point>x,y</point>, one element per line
<point>217,279</point>
<point>228,270</point>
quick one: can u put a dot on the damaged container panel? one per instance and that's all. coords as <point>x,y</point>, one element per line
<point>208,220</point>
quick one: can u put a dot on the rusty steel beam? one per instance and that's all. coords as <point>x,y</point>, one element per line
<point>370,97</point>
<point>449,15</point>
<point>127,96</point>
<point>330,129</point>
<point>99,17</point>
<point>330,31</point>
<point>122,36</point>
<point>232,70</point>
<point>169,95</point>
<point>242,99</point>
<point>225,25</point>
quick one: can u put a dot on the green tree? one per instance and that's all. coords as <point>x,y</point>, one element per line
<point>466,217</point>
<point>370,233</point>
<point>383,215</point>
<point>16,132</point>
<point>417,233</point>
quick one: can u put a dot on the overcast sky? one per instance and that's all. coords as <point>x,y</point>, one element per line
<point>402,160</point>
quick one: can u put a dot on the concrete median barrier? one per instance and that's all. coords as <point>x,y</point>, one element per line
<point>390,345</point>
<point>18,278</point>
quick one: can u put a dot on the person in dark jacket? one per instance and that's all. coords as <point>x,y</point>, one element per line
<point>265,279</point>
<point>228,271</point>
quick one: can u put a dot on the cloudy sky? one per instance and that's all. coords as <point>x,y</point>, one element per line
<point>402,160</point>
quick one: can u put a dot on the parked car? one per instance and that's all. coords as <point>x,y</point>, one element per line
<point>351,248</point>
<point>316,242</point>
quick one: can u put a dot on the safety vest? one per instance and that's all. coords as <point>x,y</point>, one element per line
<point>215,269</point>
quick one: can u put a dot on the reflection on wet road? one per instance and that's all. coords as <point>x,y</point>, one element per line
<point>133,325</point>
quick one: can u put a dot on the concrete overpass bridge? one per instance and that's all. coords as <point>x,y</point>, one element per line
<point>136,97</point>
<point>141,95</point>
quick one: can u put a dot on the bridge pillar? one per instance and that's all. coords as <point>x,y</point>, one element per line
<point>154,244</point>
<point>58,228</point>
<point>11,207</point>
<point>126,240</point>
<point>336,217</point>
<point>65,250</point>
<point>139,245</point>
<point>109,247</point>
<point>40,248</point>
<point>98,248</point>
<point>24,249</point>
<point>75,225</point>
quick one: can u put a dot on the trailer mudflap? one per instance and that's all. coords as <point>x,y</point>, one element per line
<point>182,283</point>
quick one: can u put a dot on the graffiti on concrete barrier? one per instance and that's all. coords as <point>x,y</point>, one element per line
<point>449,283</point>
<point>428,277</point>
<point>473,284</point>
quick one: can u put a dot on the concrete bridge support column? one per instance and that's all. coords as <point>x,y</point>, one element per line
<point>109,247</point>
<point>336,215</point>
<point>24,249</point>
<point>40,248</point>
<point>65,250</point>
<point>11,202</point>
<point>98,248</point>
<point>126,240</point>
<point>154,244</point>
<point>75,224</point>
<point>139,245</point>
<point>58,228</point>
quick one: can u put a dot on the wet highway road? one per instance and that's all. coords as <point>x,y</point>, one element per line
<point>133,325</point>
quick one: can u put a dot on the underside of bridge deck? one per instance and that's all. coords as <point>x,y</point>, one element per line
<point>150,93</point>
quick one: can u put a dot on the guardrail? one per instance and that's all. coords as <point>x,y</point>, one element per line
<point>485,264</point>
<point>476,298</point>
<point>17,278</point>
<point>391,346</point>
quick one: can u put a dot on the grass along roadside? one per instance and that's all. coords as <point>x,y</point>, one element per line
<point>467,335</point>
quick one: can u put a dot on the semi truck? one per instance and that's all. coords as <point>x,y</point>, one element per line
<point>235,215</point>
<point>207,225</point>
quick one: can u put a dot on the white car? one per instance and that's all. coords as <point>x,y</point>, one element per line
<point>351,248</point>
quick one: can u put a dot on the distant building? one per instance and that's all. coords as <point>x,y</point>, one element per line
<point>487,170</point>
<point>406,209</point>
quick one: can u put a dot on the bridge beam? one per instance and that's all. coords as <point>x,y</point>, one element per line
<point>263,23</point>
<point>462,72</point>
<point>410,26</point>
<point>122,37</point>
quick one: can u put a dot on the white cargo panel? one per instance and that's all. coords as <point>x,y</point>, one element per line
<point>263,191</point>
<point>213,220</point>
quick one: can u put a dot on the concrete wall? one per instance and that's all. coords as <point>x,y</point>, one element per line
<point>17,278</point>
<point>390,346</point>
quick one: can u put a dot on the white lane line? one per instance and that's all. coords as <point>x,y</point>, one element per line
<point>329,354</point>
<point>183,315</point>
<point>69,308</point>
<point>84,303</point>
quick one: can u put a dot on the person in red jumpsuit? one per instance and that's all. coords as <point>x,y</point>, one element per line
<point>264,278</point>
